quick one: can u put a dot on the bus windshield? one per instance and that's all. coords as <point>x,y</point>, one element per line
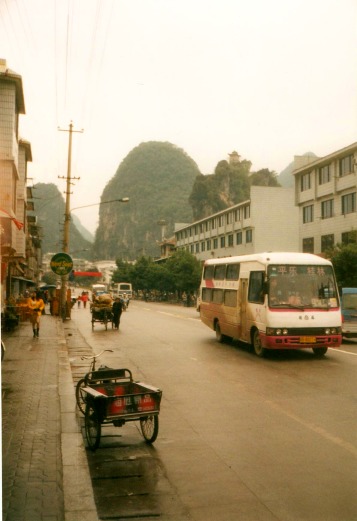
<point>302,286</point>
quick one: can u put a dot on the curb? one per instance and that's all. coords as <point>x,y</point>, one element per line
<point>79,501</point>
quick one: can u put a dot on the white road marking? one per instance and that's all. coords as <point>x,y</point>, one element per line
<point>342,351</point>
<point>315,428</point>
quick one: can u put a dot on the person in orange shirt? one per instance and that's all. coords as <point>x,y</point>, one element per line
<point>36,305</point>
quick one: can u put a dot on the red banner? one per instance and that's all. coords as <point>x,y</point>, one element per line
<point>87,273</point>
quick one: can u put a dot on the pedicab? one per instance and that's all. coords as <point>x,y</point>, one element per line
<point>103,315</point>
<point>101,310</point>
<point>111,396</point>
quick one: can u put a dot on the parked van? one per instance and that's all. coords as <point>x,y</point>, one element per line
<point>349,312</point>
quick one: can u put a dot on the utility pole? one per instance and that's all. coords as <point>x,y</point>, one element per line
<point>67,218</point>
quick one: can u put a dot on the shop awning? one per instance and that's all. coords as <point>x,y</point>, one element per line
<point>33,283</point>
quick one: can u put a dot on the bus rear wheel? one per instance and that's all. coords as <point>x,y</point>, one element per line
<point>259,350</point>
<point>219,337</point>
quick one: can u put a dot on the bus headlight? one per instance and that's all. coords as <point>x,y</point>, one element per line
<point>327,331</point>
<point>271,331</point>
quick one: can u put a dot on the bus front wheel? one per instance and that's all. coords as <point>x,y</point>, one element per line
<point>319,351</point>
<point>259,350</point>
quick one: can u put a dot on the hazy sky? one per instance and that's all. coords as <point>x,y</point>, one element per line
<point>268,78</point>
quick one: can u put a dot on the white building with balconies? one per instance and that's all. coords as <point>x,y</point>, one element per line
<point>325,194</point>
<point>268,221</point>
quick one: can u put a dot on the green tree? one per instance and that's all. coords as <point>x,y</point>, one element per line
<point>123,271</point>
<point>344,260</point>
<point>185,270</point>
<point>264,177</point>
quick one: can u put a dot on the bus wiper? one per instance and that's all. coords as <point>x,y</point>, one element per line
<point>287,305</point>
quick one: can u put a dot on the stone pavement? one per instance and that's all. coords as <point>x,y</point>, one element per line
<point>45,474</point>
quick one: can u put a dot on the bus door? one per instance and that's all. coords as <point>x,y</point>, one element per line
<point>243,293</point>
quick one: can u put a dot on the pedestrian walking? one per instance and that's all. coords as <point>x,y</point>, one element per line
<point>117,310</point>
<point>79,300</point>
<point>85,298</point>
<point>36,305</point>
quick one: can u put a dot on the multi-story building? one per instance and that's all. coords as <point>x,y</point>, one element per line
<point>15,234</point>
<point>268,221</point>
<point>325,194</point>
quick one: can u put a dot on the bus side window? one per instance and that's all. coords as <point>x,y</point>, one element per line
<point>206,294</point>
<point>208,272</point>
<point>232,272</point>
<point>220,272</point>
<point>256,287</point>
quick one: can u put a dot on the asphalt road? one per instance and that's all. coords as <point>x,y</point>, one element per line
<point>240,438</point>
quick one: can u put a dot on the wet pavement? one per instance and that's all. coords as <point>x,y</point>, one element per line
<point>128,478</point>
<point>45,475</point>
<point>48,472</point>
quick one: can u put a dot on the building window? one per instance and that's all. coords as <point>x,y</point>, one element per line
<point>327,209</point>
<point>214,223</point>
<point>239,238</point>
<point>228,218</point>
<point>215,244</point>
<point>190,232</point>
<point>305,182</point>
<point>201,228</point>
<point>192,248</point>
<point>249,236</point>
<point>349,203</point>
<point>346,165</point>
<point>203,246</point>
<point>308,214</point>
<point>349,237</point>
<point>324,175</point>
<point>230,240</point>
<point>308,245</point>
<point>196,229</point>
<point>247,212</point>
<point>220,220</point>
<point>208,244</point>
<point>197,248</point>
<point>207,223</point>
<point>326,242</point>
<point>223,242</point>
<point>237,215</point>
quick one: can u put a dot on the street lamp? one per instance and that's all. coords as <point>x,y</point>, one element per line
<point>67,218</point>
<point>122,200</point>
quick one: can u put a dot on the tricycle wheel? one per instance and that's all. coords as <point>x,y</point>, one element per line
<point>92,427</point>
<point>150,428</point>
<point>80,395</point>
<point>92,325</point>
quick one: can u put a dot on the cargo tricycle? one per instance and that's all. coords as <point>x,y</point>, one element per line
<point>112,397</point>
<point>103,315</point>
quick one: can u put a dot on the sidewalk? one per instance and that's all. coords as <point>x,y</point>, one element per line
<point>45,471</point>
